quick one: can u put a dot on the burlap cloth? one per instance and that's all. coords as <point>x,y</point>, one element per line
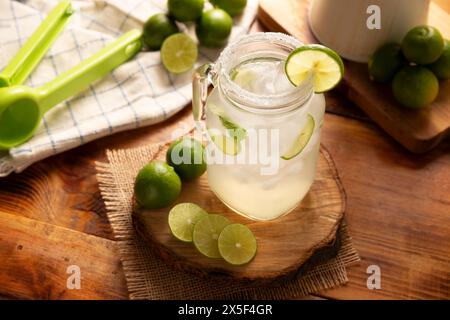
<point>149,278</point>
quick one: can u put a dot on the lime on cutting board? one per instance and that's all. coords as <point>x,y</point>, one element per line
<point>325,65</point>
<point>302,140</point>
<point>182,219</point>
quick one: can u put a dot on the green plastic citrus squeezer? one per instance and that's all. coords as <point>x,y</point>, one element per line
<point>21,107</point>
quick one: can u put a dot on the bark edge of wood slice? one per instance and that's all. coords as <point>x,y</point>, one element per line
<point>309,233</point>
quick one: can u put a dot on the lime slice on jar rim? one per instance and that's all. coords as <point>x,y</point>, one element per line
<point>302,139</point>
<point>237,244</point>
<point>182,219</point>
<point>325,65</point>
<point>179,53</point>
<point>206,234</point>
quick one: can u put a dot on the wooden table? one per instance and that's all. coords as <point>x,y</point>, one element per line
<point>52,215</point>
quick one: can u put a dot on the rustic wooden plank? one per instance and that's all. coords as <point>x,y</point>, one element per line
<point>397,214</point>
<point>397,210</point>
<point>35,257</point>
<point>63,190</point>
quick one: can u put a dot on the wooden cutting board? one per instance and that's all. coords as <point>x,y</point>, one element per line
<point>284,244</point>
<point>418,131</point>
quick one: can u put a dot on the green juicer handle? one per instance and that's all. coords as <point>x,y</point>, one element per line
<point>77,79</point>
<point>32,52</point>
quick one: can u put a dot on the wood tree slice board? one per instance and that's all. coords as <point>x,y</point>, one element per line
<point>284,245</point>
<point>417,130</point>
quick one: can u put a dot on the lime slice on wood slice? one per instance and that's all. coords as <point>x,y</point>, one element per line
<point>302,140</point>
<point>206,234</point>
<point>182,219</point>
<point>237,244</point>
<point>179,53</point>
<point>325,64</point>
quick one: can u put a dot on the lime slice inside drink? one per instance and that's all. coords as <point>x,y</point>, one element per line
<point>182,219</point>
<point>206,234</point>
<point>243,77</point>
<point>226,144</point>
<point>237,244</point>
<point>302,140</point>
<point>231,142</point>
<point>325,64</point>
<point>179,53</point>
<point>234,130</point>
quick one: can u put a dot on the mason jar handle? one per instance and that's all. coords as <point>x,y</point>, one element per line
<point>203,77</point>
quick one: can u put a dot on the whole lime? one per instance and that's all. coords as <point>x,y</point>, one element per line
<point>441,68</point>
<point>386,62</point>
<point>157,185</point>
<point>157,29</point>
<point>415,87</point>
<point>423,45</point>
<point>186,10</point>
<point>187,157</point>
<point>214,28</point>
<point>233,7</point>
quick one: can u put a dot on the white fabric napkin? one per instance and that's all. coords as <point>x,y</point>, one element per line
<point>139,93</point>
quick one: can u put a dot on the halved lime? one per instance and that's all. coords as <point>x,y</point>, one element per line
<point>179,53</point>
<point>226,144</point>
<point>237,244</point>
<point>325,64</point>
<point>302,140</point>
<point>206,234</point>
<point>182,219</point>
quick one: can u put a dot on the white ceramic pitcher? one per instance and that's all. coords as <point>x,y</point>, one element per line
<point>343,24</point>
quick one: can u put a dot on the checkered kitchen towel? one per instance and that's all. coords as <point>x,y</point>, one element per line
<point>137,94</point>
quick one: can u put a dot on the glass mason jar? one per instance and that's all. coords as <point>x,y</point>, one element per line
<point>263,133</point>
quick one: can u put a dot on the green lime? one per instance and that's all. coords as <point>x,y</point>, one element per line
<point>214,28</point>
<point>324,63</point>
<point>415,87</point>
<point>386,62</point>
<point>302,140</point>
<point>157,185</point>
<point>187,156</point>
<point>186,10</point>
<point>206,234</point>
<point>233,7</point>
<point>179,53</point>
<point>237,244</point>
<point>423,45</point>
<point>182,219</point>
<point>157,29</point>
<point>441,67</point>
